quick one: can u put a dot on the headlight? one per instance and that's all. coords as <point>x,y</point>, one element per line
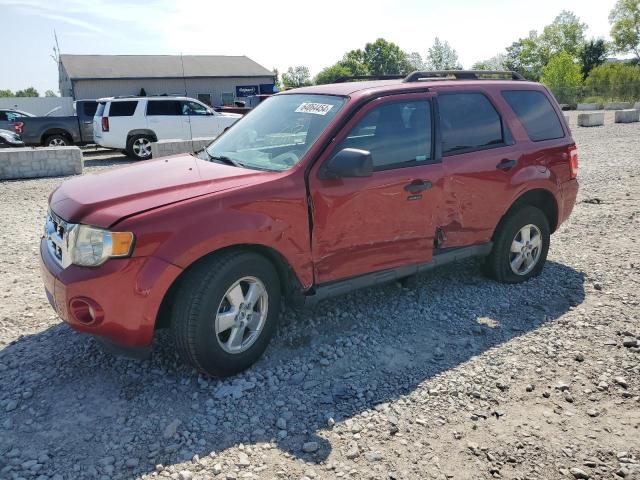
<point>92,246</point>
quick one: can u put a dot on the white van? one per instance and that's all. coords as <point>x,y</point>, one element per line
<point>132,123</point>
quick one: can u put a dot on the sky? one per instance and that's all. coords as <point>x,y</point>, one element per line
<point>287,34</point>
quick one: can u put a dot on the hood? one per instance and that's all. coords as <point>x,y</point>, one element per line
<point>101,199</point>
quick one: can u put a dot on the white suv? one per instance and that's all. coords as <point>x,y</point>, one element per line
<point>132,123</point>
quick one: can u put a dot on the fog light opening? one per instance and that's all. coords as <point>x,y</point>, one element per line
<point>86,311</point>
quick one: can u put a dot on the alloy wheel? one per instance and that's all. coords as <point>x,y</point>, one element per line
<point>142,147</point>
<point>525,251</point>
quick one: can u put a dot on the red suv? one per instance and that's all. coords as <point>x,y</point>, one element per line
<point>318,191</point>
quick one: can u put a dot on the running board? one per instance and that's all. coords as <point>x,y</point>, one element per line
<point>440,257</point>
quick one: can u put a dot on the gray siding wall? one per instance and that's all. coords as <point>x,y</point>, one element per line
<point>156,86</point>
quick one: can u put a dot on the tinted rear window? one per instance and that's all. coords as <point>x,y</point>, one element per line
<point>535,113</point>
<point>468,122</point>
<point>89,108</point>
<point>122,109</point>
<point>164,107</point>
<point>100,109</point>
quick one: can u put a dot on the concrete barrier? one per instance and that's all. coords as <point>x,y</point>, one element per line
<point>39,162</point>
<point>566,118</point>
<point>627,116</point>
<point>593,119</point>
<point>636,105</point>
<point>163,148</point>
<point>589,106</point>
<point>617,106</point>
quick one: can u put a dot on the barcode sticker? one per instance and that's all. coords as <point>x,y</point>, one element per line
<point>315,108</point>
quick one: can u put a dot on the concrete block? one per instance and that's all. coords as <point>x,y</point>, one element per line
<point>163,148</point>
<point>589,106</point>
<point>39,162</point>
<point>636,105</point>
<point>617,105</point>
<point>627,116</point>
<point>593,119</point>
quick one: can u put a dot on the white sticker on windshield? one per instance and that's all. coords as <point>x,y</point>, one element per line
<point>315,108</point>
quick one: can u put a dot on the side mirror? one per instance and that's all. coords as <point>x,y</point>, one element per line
<point>348,162</point>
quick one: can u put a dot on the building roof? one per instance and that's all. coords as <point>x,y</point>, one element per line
<point>160,66</point>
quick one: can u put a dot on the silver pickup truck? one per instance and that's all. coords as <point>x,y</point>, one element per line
<point>59,131</point>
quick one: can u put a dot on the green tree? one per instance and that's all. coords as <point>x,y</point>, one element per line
<point>593,53</point>
<point>6,93</point>
<point>442,57</point>
<point>614,81</point>
<point>625,27</point>
<point>385,58</point>
<point>523,56</point>
<point>276,79</point>
<point>415,61</point>
<point>564,34</point>
<point>494,63</point>
<point>563,77</point>
<point>27,92</point>
<point>296,77</point>
<point>50,93</point>
<point>332,73</point>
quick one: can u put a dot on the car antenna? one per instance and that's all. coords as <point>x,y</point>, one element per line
<point>184,80</point>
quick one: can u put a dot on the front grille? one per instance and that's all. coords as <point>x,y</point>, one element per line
<point>57,235</point>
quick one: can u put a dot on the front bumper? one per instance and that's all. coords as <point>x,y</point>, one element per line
<point>127,292</point>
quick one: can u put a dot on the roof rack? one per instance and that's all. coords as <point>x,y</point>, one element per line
<point>464,75</point>
<point>353,78</point>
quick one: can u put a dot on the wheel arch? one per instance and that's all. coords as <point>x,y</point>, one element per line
<point>142,131</point>
<point>289,282</point>
<point>56,131</point>
<point>540,198</point>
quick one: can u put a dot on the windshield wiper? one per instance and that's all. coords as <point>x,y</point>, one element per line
<point>222,159</point>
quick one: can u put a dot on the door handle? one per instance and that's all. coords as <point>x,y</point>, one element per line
<point>418,186</point>
<point>506,164</point>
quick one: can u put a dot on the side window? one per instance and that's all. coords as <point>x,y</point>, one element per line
<point>163,107</point>
<point>396,134</point>
<point>89,108</point>
<point>468,122</point>
<point>535,113</point>
<point>3,116</point>
<point>193,108</point>
<point>122,109</point>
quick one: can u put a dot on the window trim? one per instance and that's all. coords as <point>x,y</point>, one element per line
<point>410,163</point>
<point>146,110</point>
<point>507,136</point>
<point>562,128</point>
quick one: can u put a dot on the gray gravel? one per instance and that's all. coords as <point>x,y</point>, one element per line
<point>456,377</point>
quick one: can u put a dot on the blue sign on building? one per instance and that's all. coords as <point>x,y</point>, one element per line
<point>266,88</point>
<point>246,90</point>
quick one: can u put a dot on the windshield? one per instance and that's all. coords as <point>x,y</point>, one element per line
<point>277,133</point>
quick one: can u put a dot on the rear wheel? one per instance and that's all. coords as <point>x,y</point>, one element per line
<point>225,312</point>
<point>57,140</point>
<point>139,147</point>
<point>520,246</point>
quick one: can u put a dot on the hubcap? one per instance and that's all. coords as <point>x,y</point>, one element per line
<point>525,249</point>
<point>57,142</point>
<point>142,147</point>
<point>241,315</point>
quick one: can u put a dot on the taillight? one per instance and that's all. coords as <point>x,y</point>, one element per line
<point>105,124</point>
<point>18,127</point>
<point>573,163</point>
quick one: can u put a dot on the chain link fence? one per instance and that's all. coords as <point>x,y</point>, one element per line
<point>602,93</point>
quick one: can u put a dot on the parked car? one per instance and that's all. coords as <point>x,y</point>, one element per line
<point>132,123</point>
<point>316,192</point>
<point>9,116</point>
<point>10,139</point>
<point>60,131</point>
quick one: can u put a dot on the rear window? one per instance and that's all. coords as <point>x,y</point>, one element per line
<point>535,113</point>
<point>468,122</point>
<point>89,108</point>
<point>100,109</point>
<point>122,109</point>
<point>164,107</point>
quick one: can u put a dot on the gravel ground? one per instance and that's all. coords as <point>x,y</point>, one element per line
<point>456,377</point>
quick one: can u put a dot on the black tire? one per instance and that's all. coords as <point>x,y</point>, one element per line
<point>201,294</point>
<point>57,140</point>
<point>138,153</point>
<point>498,264</point>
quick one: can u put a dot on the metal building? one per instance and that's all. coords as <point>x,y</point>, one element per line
<point>214,79</point>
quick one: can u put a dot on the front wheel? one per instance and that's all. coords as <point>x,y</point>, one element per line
<point>225,312</point>
<point>520,246</point>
